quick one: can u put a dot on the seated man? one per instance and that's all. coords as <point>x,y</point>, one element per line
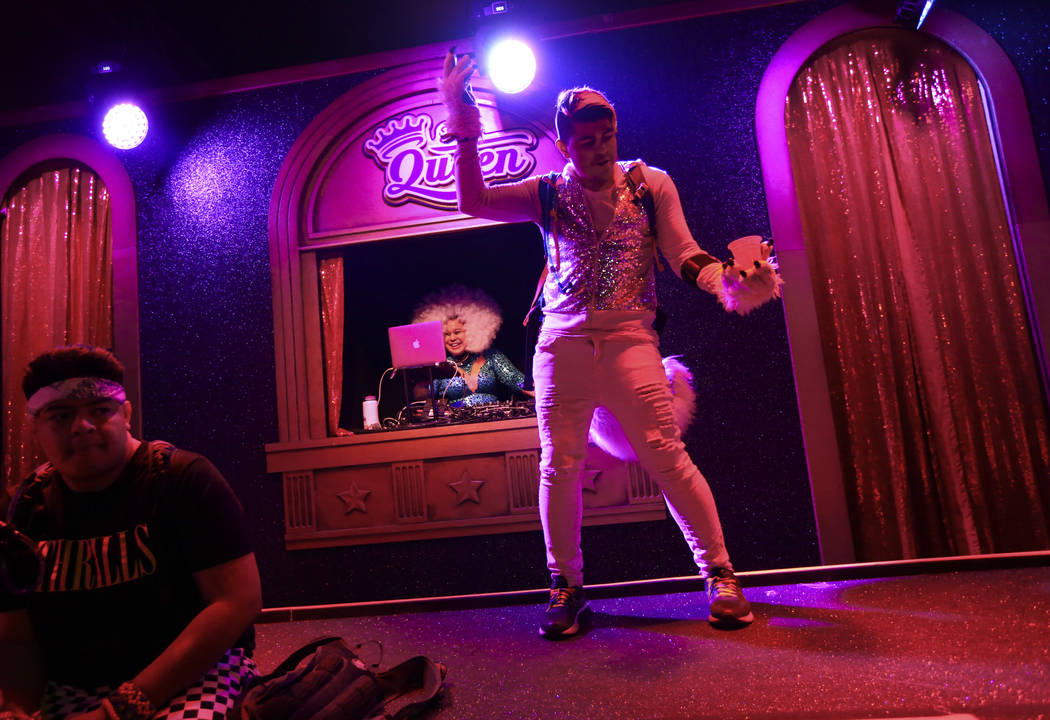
<point>148,589</point>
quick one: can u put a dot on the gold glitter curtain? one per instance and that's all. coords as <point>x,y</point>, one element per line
<point>331,276</point>
<point>939,410</point>
<point>57,280</point>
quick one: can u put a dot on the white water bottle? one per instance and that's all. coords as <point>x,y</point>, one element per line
<point>370,411</point>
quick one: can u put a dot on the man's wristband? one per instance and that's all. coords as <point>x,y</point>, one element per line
<point>129,702</point>
<point>691,268</point>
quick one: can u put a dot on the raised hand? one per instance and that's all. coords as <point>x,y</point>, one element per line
<point>464,119</point>
<point>455,78</point>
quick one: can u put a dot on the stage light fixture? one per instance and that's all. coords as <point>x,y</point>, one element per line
<point>912,13</point>
<point>111,94</point>
<point>488,9</point>
<point>125,126</point>
<point>502,43</point>
<point>511,65</point>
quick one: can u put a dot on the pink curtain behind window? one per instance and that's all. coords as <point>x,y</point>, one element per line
<point>939,409</point>
<point>57,287</point>
<point>331,276</point>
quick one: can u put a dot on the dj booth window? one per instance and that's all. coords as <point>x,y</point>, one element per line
<point>384,282</point>
<point>473,471</point>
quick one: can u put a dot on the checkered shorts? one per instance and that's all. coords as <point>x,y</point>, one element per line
<point>210,699</point>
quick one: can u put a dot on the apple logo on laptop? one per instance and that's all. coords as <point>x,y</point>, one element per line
<point>415,344</point>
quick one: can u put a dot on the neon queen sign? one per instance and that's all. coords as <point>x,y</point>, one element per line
<point>419,167</point>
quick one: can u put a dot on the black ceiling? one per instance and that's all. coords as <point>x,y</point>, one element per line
<point>49,46</point>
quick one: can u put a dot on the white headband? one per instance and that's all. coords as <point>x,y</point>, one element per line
<point>78,388</point>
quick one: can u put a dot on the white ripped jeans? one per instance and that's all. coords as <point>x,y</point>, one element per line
<point>575,374</point>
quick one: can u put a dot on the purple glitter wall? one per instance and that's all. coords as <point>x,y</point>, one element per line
<point>685,95</point>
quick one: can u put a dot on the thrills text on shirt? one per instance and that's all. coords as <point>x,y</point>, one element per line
<point>420,168</point>
<point>90,563</point>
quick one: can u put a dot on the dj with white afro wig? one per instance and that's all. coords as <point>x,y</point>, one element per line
<point>470,319</point>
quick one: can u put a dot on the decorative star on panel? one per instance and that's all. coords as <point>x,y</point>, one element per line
<point>354,498</point>
<point>466,488</point>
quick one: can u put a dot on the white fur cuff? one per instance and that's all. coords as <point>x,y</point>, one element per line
<point>463,124</point>
<point>464,120</point>
<point>709,279</point>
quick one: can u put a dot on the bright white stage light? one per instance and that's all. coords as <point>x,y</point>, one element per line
<point>925,12</point>
<point>511,65</point>
<point>125,126</point>
<point>912,13</point>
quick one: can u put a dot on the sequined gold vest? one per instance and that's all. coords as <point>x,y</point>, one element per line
<point>613,271</point>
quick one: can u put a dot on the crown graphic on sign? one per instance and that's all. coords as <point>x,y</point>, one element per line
<point>419,168</point>
<point>397,135</point>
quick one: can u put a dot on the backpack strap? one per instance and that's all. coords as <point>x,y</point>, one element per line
<point>407,688</point>
<point>22,564</point>
<point>643,196</point>
<point>293,660</point>
<point>537,297</point>
<point>548,191</point>
<point>28,493</point>
<point>642,193</point>
<point>159,458</point>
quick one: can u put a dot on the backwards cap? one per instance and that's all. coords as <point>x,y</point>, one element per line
<point>575,100</point>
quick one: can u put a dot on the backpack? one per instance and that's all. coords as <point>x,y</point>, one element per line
<point>548,209</point>
<point>335,684</point>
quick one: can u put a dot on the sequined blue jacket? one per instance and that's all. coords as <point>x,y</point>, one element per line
<point>497,371</point>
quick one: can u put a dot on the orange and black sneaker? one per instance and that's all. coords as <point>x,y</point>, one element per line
<point>564,610</point>
<point>728,608</point>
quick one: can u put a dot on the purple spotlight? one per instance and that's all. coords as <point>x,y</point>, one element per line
<point>511,65</point>
<point>125,126</point>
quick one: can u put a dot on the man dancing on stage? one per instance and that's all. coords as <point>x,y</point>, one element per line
<point>597,346</point>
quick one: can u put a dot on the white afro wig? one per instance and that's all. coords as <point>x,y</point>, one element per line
<point>478,312</point>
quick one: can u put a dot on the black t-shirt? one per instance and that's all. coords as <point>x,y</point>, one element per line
<point>118,583</point>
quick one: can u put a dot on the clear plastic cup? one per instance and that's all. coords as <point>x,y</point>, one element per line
<point>746,250</point>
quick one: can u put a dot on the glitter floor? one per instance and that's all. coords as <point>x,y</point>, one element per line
<point>969,644</point>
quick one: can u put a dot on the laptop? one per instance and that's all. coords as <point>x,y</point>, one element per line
<point>417,345</point>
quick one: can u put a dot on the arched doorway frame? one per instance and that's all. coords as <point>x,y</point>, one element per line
<point>1024,196</point>
<point>87,151</point>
